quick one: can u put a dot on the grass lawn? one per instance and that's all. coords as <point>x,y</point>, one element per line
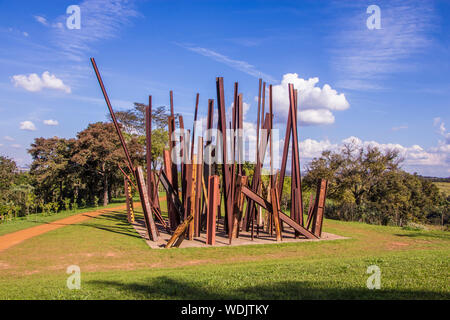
<point>117,264</point>
<point>444,187</point>
<point>35,219</point>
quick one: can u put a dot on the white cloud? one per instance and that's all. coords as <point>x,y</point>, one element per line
<point>235,64</point>
<point>35,83</point>
<point>315,103</point>
<point>16,146</point>
<point>414,155</point>
<point>41,20</point>
<point>8,138</point>
<point>25,34</point>
<point>51,122</point>
<point>27,125</point>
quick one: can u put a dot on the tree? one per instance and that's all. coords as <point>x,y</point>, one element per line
<point>353,172</point>
<point>367,184</point>
<point>8,169</point>
<point>98,152</point>
<point>52,168</point>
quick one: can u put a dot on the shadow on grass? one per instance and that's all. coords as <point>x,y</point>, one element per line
<point>120,226</point>
<point>167,288</point>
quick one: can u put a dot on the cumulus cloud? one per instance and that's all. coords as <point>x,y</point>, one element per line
<point>413,155</point>
<point>51,122</point>
<point>27,125</point>
<point>315,104</point>
<point>16,146</point>
<point>8,138</point>
<point>34,83</point>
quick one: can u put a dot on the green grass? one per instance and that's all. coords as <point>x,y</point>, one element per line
<point>444,187</point>
<point>117,264</point>
<point>35,219</point>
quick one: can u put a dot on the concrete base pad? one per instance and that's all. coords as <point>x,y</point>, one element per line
<point>222,238</point>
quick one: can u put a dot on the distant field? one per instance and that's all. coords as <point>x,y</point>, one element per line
<point>116,263</point>
<point>444,186</point>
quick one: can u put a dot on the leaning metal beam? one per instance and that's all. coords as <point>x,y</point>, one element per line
<point>172,196</point>
<point>146,206</point>
<point>283,217</point>
<point>113,116</point>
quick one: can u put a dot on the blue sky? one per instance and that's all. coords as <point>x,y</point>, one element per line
<point>388,87</point>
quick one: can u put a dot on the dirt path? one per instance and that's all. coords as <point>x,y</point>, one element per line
<point>11,239</point>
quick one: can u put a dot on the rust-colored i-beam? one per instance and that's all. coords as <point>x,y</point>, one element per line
<point>319,207</point>
<point>146,206</point>
<point>222,127</point>
<point>174,216</point>
<point>113,116</point>
<point>275,212</point>
<point>282,216</point>
<point>127,198</point>
<point>172,144</point>
<point>238,204</point>
<point>296,183</point>
<point>148,147</point>
<point>198,187</point>
<point>213,204</point>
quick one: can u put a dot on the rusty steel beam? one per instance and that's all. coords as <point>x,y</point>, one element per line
<point>275,209</point>
<point>146,206</point>
<point>148,146</point>
<point>179,234</point>
<point>126,176</point>
<point>319,207</point>
<point>238,205</point>
<point>282,216</point>
<point>172,128</point>
<point>113,116</point>
<point>198,187</point>
<point>225,167</point>
<point>175,217</point>
<point>127,199</point>
<point>213,204</point>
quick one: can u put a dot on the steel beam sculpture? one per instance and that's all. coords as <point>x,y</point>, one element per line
<point>196,207</point>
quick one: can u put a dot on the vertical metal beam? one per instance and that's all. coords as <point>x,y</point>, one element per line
<point>127,198</point>
<point>198,187</point>
<point>225,167</point>
<point>213,204</point>
<point>174,219</point>
<point>319,207</point>
<point>238,205</point>
<point>275,209</point>
<point>148,156</point>
<point>146,206</point>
